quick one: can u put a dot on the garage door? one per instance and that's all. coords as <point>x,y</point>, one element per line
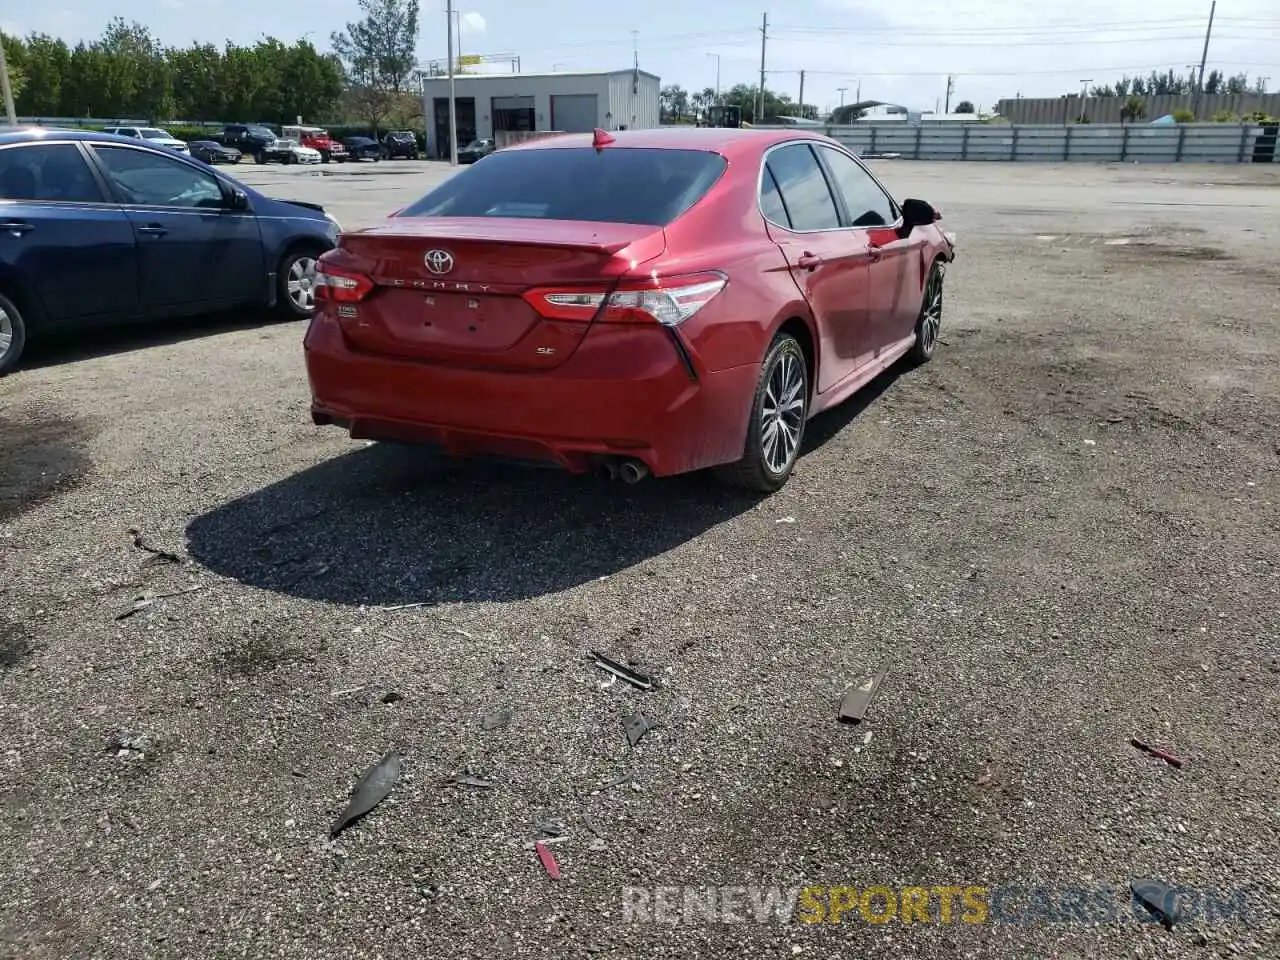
<point>574,113</point>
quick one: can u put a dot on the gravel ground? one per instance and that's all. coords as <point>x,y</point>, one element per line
<point>1060,534</point>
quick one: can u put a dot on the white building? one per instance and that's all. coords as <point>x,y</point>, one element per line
<point>489,105</point>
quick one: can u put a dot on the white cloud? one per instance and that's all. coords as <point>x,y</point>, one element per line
<point>472,23</point>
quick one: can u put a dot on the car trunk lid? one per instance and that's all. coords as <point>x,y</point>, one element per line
<point>450,289</point>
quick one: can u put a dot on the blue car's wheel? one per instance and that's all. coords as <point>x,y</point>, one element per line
<point>13,334</point>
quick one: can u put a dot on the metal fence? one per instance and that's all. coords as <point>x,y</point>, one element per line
<point>1097,143</point>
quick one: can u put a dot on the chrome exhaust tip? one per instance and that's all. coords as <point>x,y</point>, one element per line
<point>633,471</point>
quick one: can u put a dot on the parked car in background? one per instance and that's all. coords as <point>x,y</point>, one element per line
<point>317,139</point>
<point>294,152</point>
<point>400,143</point>
<point>161,138</point>
<point>475,150</point>
<point>252,139</point>
<point>363,148</point>
<point>211,152</point>
<point>96,228</point>
<point>646,302</point>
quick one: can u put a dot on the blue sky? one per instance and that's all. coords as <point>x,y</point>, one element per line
<point>900,52</point>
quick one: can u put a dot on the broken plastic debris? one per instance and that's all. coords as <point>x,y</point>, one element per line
<point>1161,900</point>
<point>859,696</point>
<point>548,861</point>
<point>633,677</point>
<point>467,780</point>
<point>157,555</point>
<point>1168,758</point>
<point>636,726</point>
<point>144,601</point>
<point>371,791</point>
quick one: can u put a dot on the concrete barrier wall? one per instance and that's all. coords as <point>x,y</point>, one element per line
<point>1098,143</point>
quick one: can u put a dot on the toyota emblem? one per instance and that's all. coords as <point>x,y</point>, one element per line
<point>438,262</point>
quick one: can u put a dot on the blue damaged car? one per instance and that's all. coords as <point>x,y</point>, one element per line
<point>96,229</point>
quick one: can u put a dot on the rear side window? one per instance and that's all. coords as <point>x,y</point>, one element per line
<point>613,185</point>
<point>51,172</point>
<point>771,205</point>
<point>803,187</point>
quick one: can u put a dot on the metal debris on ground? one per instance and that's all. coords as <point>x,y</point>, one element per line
<point>144,601</point>
<point>634,677</point>
<point>467,780</point>
<point>636,726</point>
<point>371,791</point>
<point>1168,758</point>
<point>548,861</point>
<point>856,700</point>
<point>549,828</point>
<point>391,697</point>
<point>157,555</point>
<point>496,719</point>
<point>404,606</point>
<point>1161,900</point>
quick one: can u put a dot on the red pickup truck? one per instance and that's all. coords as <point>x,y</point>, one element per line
<point>317,138</point>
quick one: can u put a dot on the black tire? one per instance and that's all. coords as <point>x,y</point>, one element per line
<point>286,306</point>
<point>259,157</point>
<point>930,320</point>
<point>324,157</point>
<point>761,469</point>
<point>14,325</point>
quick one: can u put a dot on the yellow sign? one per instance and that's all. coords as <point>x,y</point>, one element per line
<point>469,60</point>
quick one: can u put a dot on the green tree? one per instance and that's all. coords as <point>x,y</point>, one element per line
<point>673,103</point>
<point>965,106</point>
<point>15,55</point>
<point>45,65</point>
<point>1134,109</point>
<point>377,54</point>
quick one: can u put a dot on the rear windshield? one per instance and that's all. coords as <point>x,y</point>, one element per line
<point>618,185</point>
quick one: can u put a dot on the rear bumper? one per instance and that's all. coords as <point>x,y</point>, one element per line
<point>625,392</point>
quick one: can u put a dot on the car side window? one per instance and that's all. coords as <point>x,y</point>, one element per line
<point>149,179</point>
<point>50,172</point>
<point>866,203</point>
<point>803,187</point>
<point>771,205</point>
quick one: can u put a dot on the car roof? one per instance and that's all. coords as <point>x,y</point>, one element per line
<point>727,141</point>
<point>37,134</point>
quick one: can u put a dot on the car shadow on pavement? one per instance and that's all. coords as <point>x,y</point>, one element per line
<point>390,524</point>
<point>69,346</point>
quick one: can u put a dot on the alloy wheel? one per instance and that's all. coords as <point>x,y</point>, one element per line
<point>782,413</point>
<point>6,331</point>
<point>931,318</point>
<point>301,283</point>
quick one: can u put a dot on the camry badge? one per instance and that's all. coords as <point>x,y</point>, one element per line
<point>438,262</point>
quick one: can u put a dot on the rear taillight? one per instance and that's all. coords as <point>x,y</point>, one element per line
<point>666,300</point>
<point>341,286</point>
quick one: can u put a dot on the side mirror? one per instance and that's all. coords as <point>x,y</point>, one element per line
<point>239,200</point>
<point>917,213</point>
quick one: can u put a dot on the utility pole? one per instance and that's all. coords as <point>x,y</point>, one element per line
<point>802,93</point>
<point>8,91</point>
<point>1195,103</point>
<point>951,85</point>
<point>857,97</point>
<point>841,91</point>
<point>453,109</point>
<point>764,37</point>
<point>717,56</point>
<point>1084,98</point>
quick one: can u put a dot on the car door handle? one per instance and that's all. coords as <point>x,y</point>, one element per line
<point>808,261</point>
<point>17,227</point>
<point>874,253</point>
<point>153,230</point>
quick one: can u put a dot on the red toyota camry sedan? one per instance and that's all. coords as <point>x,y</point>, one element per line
<point>640,303</point>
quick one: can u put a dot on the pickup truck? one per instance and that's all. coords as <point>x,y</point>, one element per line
<point>317,138</point>
<point>251,139</point>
